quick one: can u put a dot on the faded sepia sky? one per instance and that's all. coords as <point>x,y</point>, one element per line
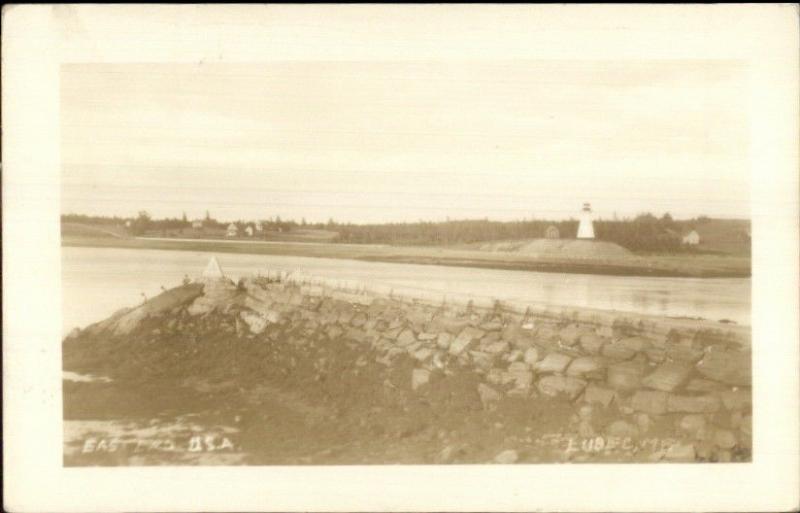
<point>394,141</point>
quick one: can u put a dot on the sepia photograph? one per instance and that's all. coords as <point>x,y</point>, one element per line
<point>405,262</point>
<point>385,248</point>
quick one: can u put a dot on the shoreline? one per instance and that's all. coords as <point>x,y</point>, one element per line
<point>679,266</point>
<point>303,361</point>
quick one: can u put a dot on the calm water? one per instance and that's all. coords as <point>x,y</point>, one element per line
<point>98,281</point>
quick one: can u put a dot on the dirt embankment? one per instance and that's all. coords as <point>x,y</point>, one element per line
<point>559,248</point>
<point>283,373</point>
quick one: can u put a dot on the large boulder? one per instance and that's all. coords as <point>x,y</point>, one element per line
<point>595,394</point>
<point>668,376</point>
<point>492,325</point>
<point>263,305</point>
<point>359,319</point>
<point>681,452</point>
<point>570,335</point>
<point>452,325</point>
<point>553,362</point>
<point>443,340</point>
<point>511,331</point>
<point>256,322</point>
<point>625,376</point>
<point>465,339</point>
<point>635,344</point>
<point>346,315</point>
<point>520,374</point>
<point>496,348</point>
<point>704,385</point>
<point>217,295</point>
<point>490,338</point>
<point>419,377</point>
<point>406,338</point>
<point>125,321</point>
<point>586,366</point>
<point>730,366</point>
<point>554,386</point>
<point>737,399</point>
<point>655,354</point>
<point>423,354</point>
<point>592,343</point>
<point>507,456</point>
<point>531,356</point>
<point>617,351</point>
<point>684,349</point>
<point>693,404</point>
<point>724,439</point>
<point>694,425</point>
<point>545,334</point>
<point>650,401</point>
<point>481,360</point>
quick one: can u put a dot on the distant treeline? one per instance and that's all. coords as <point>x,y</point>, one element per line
<point>643,233</point>
<point>144,222</point>
<point>138,225</point>
<point>449,232</point>
<point>104,220</point>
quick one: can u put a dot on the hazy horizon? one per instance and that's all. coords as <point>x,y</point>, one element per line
<point>338,221</point>
<point>373,142</point>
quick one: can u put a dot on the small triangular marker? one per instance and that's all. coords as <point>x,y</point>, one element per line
<point>213,270</point>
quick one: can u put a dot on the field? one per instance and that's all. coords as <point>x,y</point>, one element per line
<point>92,230</point>
<point>297,235</point>
<point>683,265</point>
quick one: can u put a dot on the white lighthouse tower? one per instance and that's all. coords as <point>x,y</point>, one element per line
<point>586,226</point>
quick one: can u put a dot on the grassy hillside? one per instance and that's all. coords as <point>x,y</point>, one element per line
<point>92,230</point>
<point>557,248</point>
<point>296,235</point>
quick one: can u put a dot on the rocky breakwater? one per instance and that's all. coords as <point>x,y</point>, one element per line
<point>415,381</point>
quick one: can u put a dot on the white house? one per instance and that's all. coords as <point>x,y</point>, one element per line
<point>197,224</point>
<point>259,226</point>
<point>232,230</point>
<point>692,238</point>
<point>586,226</point>
<point>249,230</point>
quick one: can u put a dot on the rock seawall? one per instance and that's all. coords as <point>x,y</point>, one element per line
<point>602,386</point>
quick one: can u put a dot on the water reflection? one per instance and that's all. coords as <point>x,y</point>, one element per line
<point>98,281</point>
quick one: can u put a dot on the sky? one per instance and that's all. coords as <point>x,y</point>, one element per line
<point>375,141</point>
